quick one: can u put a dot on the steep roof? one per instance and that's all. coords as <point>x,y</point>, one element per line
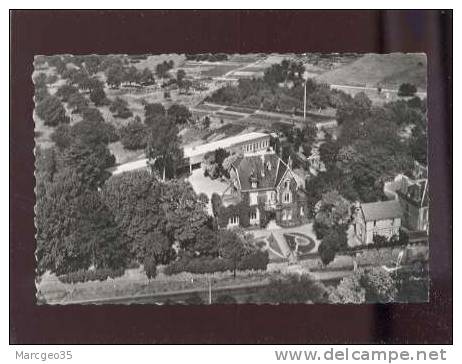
<point>381,210</point>
<point>266,169</point>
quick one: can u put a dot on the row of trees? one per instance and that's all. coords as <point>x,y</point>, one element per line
<point>118,74</point>
<point>374,145</point>
<point>273,93</point>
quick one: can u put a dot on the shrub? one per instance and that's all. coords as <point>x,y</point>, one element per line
<point>150,268</point>
<point>290,241</point>
<point>407,89</point>
<point>257,260</point>
<point>133,135</point>
<point>91,275</point>
<point>194,299</point>
<point>98,96</point>
<point>197,265</point>
<point>51,111</point>
<point>225,300</point>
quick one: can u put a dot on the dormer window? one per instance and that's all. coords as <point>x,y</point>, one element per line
<point>254,184</point>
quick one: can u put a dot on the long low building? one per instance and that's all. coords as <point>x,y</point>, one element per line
<point>244,143</point>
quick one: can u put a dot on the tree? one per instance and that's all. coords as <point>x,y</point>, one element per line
<point>146,77</point>
<point>92,114</point>
<point>115,75</point>
<point>163,68</point>
<point>55,212</point>
<point>61,136</point>
<point>164,157</point>
<point>379,286</point>
<point>40,80</point>
<point>97,233</point>
<point>90,84</point>
<point>348,291</point>
<point>154,110</point>
<point>206,242</point>
<point>185,215</point>
<point>231,248</point>
<point>133,135</point>
<point>418,143</point>
<point>327,251</point>
<point>216,203</point>
<point>51,111</point>
<point>135,198</point>
<point>294,289</point>
<point>77,102</point>
<point>179,113</point>
<point>180,75</point>
<point>92,63</point>
<point>328,152</point>
<point>65,91</point>
<point>132,75</point>
<point>91,133</point>
<point>333,211</point>
<point>332,242</point>
<point>98,96</point>
<point>89,163</point>
<point>150,268</point>
<point>406,89</point>
<point>74,229</point>
<point>119,107</point>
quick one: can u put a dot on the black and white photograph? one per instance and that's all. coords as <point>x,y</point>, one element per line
<point>219,178</point>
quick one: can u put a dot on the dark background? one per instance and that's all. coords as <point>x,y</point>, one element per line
<point>78,32</point>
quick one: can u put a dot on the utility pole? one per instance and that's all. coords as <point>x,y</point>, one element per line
<point>304,102</point>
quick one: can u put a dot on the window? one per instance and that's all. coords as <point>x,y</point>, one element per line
<point>253,215</point>
<point>273,196</point>
<point>286,184</point>
<point>289,214</point>
<point>302,213</point>
<point>234,220</point>
<point>286,197</point>
<point>284,215</point>
<point>253,198</point>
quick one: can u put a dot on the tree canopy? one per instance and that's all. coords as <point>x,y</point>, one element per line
<point>164,158</point>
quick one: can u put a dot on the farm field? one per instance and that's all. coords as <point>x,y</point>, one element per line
<point>388,70</point>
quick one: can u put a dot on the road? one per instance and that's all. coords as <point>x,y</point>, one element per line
<point>421,94</point>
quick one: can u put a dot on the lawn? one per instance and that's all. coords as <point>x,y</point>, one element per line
<point>123,155</point>
<point>219,70</point>
<point>228,115</point>
<point>240,109</point>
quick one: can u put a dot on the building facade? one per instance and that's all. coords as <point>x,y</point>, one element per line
<point>377,218</point>
<point>264,183</point>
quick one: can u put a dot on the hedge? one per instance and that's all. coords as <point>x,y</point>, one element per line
<point>197,265</point>
<point>254,261</point>
<point>257,260</point>
<point>91,275</point>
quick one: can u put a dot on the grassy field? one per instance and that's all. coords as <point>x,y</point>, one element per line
<point>389,70</point>
<point>219,70</point>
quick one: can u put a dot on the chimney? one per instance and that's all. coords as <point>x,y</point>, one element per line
<point>289,162</point>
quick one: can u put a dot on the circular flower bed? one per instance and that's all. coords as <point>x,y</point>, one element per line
<point>304,244</point>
